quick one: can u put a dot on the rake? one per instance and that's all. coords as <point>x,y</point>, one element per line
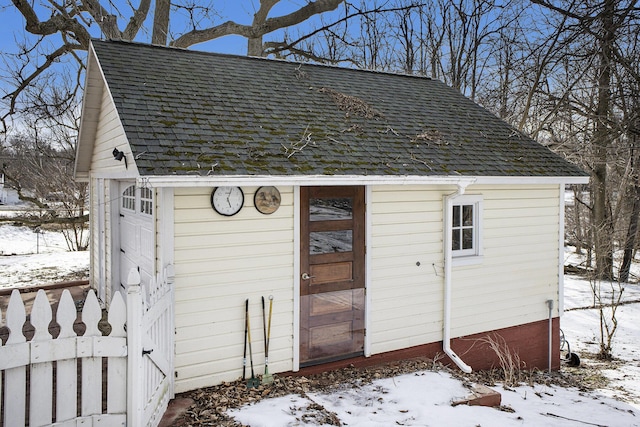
<point>267,378</point>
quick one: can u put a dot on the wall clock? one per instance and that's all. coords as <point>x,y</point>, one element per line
<point>227,201</point>
<point>267,200</point>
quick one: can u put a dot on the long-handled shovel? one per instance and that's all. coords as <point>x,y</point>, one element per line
<point>267,378</point>
<point>246,329</point>
<point>253,382</point>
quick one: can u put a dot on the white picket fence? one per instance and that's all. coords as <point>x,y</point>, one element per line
<point>59,381</point>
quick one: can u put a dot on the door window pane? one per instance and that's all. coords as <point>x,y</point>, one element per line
<point>330,209</point>
<point>129,198</point>
<point>328,242</point>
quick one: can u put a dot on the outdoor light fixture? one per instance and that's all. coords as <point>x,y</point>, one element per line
<point>119,155</point>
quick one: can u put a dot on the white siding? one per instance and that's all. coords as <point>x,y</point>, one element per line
<point>109,135</point>
<point>100,210</point>
<point>519,271</point>
<point>405,298</point>
<point>219,263</point>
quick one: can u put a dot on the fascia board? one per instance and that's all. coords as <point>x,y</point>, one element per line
<point>254,180</point>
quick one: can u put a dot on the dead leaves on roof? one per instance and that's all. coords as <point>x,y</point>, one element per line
<point>352,104</point>
<point>430,136</point>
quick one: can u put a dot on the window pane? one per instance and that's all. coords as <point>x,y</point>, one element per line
<point>327,242</point>
<point>330,209</point>
<point>455,240</point>
<point>456,216</point>
<point>467,215</point>
<point>129,198</point>
<point>146,201</point>
<point>467,238</point>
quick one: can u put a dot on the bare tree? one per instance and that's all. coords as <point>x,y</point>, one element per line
<point>38,164</point>
<point>60,29</point>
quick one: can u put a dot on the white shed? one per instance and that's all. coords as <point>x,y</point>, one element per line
<point>387,215</point>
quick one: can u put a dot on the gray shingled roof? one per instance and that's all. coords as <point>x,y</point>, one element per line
<point>187,112</point>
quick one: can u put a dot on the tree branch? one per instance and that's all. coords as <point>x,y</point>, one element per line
<point>251,31</point>
<point>57,23</point>
<point>24,83</point>
<point>138,18</point>
<point>279,47</point>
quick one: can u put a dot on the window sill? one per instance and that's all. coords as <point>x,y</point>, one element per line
<point>466,260</point>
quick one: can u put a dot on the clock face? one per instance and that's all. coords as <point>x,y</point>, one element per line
<point>227,200</point>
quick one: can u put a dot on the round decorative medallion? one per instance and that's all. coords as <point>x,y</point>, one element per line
<point>267,200</point>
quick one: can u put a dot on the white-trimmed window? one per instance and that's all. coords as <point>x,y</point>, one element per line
<point>465,228</point>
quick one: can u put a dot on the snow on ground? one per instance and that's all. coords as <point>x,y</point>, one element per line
<point>29,259</point>
<point>424,398</point>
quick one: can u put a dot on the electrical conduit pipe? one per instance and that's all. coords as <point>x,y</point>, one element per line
<point>550,306</point>
<point>446,339</point>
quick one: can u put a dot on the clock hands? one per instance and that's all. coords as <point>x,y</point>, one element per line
<point>227,200</point>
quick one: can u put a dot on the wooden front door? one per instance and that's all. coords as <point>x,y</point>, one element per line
<point>332,273</point>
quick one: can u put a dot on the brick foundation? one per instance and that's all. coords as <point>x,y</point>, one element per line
<point>529,342</point>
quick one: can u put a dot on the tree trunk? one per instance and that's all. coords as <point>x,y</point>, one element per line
<point>161,22</point>
<point>602,227</point>
<point>254,47</point>
<point>632,231</point>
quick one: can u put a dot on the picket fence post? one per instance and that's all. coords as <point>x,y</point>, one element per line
<point>67,369</point>
<point>41,379</point>
<point>1,383</point>
<point>135,404</point>
<point>91,365</point>
<point>117,374</point>
<point>15,379</point>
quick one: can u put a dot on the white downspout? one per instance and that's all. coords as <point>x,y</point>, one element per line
<point>446,339</point>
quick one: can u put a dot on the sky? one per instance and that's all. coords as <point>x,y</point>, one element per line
<point>13,33</point>
<point>240,11</point>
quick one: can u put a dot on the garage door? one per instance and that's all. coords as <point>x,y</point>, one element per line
<point>137,243</point>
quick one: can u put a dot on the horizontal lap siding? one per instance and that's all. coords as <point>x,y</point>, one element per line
<point>219,263</point>
<point>110,135</point>
<point>518,273</point>
<point>405,298</point>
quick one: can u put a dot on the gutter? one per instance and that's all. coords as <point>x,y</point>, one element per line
<point>446,321</point>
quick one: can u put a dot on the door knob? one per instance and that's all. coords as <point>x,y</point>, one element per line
<point>305,276</point>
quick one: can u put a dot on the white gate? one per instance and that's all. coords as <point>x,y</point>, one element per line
<point>138,352</point>
<point>150,391</point>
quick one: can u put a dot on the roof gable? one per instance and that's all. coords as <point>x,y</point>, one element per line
<point>187,112</point>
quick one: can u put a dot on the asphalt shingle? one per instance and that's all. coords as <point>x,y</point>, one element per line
<point>187,112</point>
